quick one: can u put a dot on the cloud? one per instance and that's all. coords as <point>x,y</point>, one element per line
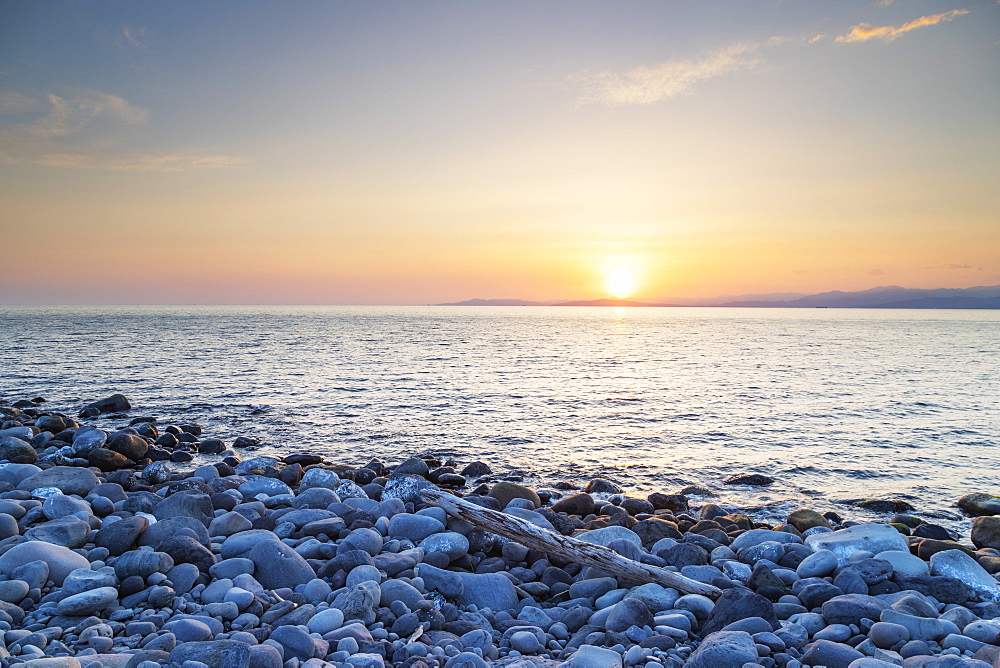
<point>800,272</point>
<point>12,103</point>
<point>960,266</point>
<point>655,83</point>
<point>87,131</point>
<point>876,272</point>
<point>135,36</point>
<point>865,31</point>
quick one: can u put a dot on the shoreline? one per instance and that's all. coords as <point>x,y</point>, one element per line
<point>260,561</point>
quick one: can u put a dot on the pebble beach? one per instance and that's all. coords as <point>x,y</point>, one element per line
<point>155,544</point>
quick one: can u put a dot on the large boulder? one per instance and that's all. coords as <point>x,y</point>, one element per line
<point>116,403</point>
<point>60,560</point>
<point>67,479</point>
<point>15,450</point>
<point>276,565</point>
<point>725,649</point>
<point>872,538</point>
<point>986,532</point>
<point>736,604</point>
<point>979,504</point>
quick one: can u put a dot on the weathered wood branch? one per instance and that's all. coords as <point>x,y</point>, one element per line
<point>564,547</point>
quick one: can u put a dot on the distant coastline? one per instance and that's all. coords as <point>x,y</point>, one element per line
<point>890,297</point>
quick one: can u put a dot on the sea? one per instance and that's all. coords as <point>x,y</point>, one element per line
<point>837,405</point>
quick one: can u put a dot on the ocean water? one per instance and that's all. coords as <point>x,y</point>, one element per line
<point>837,405</point>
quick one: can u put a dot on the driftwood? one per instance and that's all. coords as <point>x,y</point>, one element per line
<point>564,547</point>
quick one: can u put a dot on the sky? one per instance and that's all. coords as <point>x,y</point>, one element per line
<point>422,152</point>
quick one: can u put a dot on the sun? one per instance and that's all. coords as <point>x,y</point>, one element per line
<point>620,283</point>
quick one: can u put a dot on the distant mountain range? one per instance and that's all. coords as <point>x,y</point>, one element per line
<point>889,296</point>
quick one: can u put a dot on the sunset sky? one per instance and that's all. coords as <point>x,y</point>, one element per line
<point>417,152</point>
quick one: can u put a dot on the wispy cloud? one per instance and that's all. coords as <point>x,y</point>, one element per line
<point>88,131</point>
<point>876,272</point>
<point>865,31</point>
<point>655,83</point>
<point>960,266</point>
<point>135,36</point>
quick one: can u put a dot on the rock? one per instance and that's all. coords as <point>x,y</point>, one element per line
<point>487,590</point>
<point>872,538</point>
<point>904,562</point>
<point>60,560</point>
<point>957,564</point>
<point>14,449</point>
<point>979,504</point>
<point>412,466</point>
<point>804,519</point>
<point>83,579</point>
<point>757,536</point>
<point>450,543</point>
<point>67,479</point>
<point>677,503</point>
<point>830,654</point>
<point>71,532</point>
<point>581,504</point>
<point>605,536</point>
<point>116,403</point>
<point>736,604</point>
<point>986,532</point>
<point>186,504</point>
<point>885,506</point>
<point>359,602</point>
<point>156,473</point>
<point>655,597</point>
<point>725,649</point>
<point>886,634</point>
<point>922,628</point>
<point>326,621</point>
<point>413,527</point>
<point>748,479</point>
<point>142,563</point>
<point>214,653</point>
<point>13,474</point>
<point>277,565</point>
<point>107,460</point>
<point>187,550</point>
<point>818,564</point>
<point>603,486</point>
<point>129,445</point>
<point>628,612</point>
<point>504,492</point>
<point>591,656</point>
<point>88,602</point>
<point>166,529</point>
<point>296,642</point>
<point>852,608</point>
<point>404,487</point>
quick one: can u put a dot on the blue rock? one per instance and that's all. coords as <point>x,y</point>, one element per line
<point>725,649</point>
<point>214,653</point>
